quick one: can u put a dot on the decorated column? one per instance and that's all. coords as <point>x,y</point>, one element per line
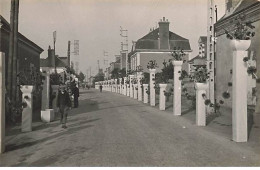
<point>55,90</point>
<point>145,89</point>
<point>27,97</point>
<point>125,86</point>
<point>135,90</point>
<point>111,85</point>
<point>47,114</point>
<point>46,91</point>
<point>120,86</point>
<point>152,84</point>
<point>177,87</point>
<point>139,77</point>
<point>239,90</point>
<point>128,87</point>
<point>131,86</point>
<point>162,96</point>
<point>2,102</point>
<point>200,103</point>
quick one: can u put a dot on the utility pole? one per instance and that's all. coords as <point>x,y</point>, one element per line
<point>15,53</point>
<point>211,51</point>
<point>124,34</point>
<point>98,65</point>
<point>68,54</point>
<point>11,47</point>
<point>54,41</point>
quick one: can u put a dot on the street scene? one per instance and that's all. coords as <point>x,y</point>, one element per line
<point>149,83</point>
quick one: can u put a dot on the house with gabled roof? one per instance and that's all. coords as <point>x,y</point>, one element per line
<point>53,61</point>
<point>158,45</point>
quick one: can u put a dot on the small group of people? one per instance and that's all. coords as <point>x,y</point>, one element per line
<point>64,103</point>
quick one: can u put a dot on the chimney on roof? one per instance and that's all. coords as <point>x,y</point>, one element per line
<point>164,34</point>
<point>51,56</point>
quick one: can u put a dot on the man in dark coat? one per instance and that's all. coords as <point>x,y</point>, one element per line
<point>64,104</point>
<point>76,96</point>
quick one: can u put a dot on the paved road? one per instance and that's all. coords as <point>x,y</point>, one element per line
<point>113,130</point>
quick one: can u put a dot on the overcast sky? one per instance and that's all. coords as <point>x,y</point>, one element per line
<point>96,23</point>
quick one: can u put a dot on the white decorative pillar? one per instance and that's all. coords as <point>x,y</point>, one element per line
<point>239,90</point>
<point>201,89</point>
<point>2,102</point>
<point>139,77</point>
<point>111,85</point>
<point>46,91</point>
<point>177,87</point>
<point>162,96</point>
<point>47,114</point>
<point>115,85</point>
<point>55,90</point>
<point>135,91</point>
<point>120,86</point>
<point>131,86</point>
<point>145,88</point>
<point>152,84</point>
<point>27,97</point>
<point>125,86</point>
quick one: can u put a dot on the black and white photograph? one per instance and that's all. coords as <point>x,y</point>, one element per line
<point>130,83</point>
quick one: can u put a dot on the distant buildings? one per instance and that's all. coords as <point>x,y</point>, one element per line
<point>158,45</point>
<point>53,62</point>
<point>200,59</point>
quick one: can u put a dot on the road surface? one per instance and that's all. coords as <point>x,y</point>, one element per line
<point>110,129</point>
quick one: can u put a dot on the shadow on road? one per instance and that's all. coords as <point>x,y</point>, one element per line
<point>12,147</point>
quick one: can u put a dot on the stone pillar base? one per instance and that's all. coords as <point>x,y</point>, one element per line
<point>47,115</point>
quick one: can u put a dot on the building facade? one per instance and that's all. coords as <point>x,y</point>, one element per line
<point>158,45</point>
<point>251,9</point>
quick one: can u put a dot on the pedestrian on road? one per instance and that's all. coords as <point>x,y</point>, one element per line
<point>76,96</point>
<point>64,105</point>
<point>100,87</point>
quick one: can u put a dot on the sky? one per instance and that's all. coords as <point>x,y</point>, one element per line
<point>96,24</point>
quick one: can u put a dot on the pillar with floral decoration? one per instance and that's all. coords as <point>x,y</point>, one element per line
<point>177,65</point>
<point>239,90</point>
<point>131,77</point>
<point>152,84</point>
<point>27,97</point>
<point>139,78</point>
<point>145,89</point>
<point>162,96</point>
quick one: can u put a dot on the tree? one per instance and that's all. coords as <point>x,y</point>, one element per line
<point>122,73</point>
<point>81,77</point>
<point>99,77</point>
<point>115,73</point>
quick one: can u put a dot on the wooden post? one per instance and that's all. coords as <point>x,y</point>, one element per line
<point>2,102</point>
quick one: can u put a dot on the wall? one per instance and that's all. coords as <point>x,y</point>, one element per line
<point>224,64</point>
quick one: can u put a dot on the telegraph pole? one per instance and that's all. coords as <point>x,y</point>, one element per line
<point>15,53</point>
<point>211,51</point>
<point>54,41</point>
<point>124,34</point>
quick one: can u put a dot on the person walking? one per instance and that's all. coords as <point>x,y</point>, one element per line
<point>76,96</point>
<point>64,105</point>
<point>100,87</point>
